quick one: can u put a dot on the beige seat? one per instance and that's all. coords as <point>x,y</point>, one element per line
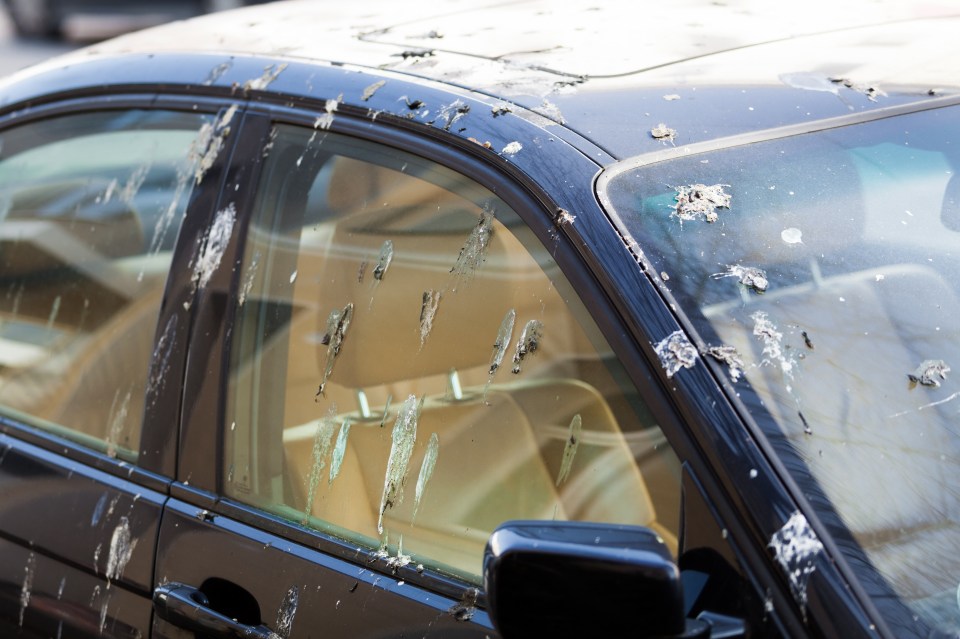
<point>96,309</point>
<point>500,444</point>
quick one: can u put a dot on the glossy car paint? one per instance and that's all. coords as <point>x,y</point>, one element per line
<point>548,169</point>
<point>728,519</point>
<point>90,527</point>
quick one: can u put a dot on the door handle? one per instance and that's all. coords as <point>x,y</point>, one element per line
<point>188,608</point>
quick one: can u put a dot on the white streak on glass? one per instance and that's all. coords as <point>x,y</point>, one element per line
<point>54,311</point>
<point>527,343</point>
<point>428,311</point>
<point>404,437</point>
<point>250,274</point>
<point>474,250</point>
<point>321,448</point>
<point>339,449</point>
<point>772,340</point>
<point>118,421</point>
<point>133,184</point>
<point>337,324</point>
<point>426,470</point>
<point>570,448</point>
<point>383,260</point>
<point>502,343</point>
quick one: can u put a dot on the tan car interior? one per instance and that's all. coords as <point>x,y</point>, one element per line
<point>502,437</point>
<point>86,201</point>
<point>85,306</point>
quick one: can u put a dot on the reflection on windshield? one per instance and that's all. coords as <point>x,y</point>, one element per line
<point>833,278</point>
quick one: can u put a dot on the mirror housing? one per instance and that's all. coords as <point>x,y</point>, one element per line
<point>578,579</point>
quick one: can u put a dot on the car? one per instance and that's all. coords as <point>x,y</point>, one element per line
<point>484,319</point>
<point>89,20</point>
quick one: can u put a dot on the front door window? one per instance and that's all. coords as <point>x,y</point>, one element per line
<point>410,367</point>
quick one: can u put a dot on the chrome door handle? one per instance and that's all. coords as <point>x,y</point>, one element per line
<point>188,608</point>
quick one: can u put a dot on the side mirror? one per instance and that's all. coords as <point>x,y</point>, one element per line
<point>576,579</point>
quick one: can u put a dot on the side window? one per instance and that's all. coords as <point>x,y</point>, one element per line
<point>410,368</point>
<point>90,205</point>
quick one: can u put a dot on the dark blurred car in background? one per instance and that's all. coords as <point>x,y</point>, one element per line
<point>98,19</point>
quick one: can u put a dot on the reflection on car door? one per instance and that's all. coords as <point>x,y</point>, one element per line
<point>91,204</point>
<point>77,547</point>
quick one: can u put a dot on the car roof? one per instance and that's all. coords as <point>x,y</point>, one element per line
<point>611,71</point>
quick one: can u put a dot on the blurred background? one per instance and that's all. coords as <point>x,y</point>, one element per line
<point>33,30</point>
<point>16,52</point>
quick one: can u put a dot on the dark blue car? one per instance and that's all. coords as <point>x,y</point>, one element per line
<point>540,319</point>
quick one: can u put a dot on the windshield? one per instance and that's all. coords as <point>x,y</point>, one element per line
<point>822,272</point>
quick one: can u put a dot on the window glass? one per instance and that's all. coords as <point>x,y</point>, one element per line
<point>90,205</point>
<point>410,368</point>
<point>832,268</point>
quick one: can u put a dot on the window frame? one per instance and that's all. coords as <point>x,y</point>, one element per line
<point>208,368</point>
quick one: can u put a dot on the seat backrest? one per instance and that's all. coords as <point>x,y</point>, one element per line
<point>501,436</point>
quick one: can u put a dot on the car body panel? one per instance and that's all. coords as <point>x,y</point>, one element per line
<point>66,601</point>
<point>86,558</point>
<point>298,587</point>
<point>738,495</point>
<point>621,292</point>
<point>884,51</point>
<point>716,423</point>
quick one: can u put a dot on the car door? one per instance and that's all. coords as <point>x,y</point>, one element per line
<point>94,195</point>
<point>388,361</point>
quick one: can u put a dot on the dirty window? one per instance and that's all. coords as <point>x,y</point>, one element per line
<point>822,273</point>
<point>90,205</point>
<point>410,368</point>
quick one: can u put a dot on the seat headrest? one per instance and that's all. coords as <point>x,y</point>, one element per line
<point>427,226</point>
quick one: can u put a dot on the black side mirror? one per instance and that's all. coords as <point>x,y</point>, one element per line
<point>576,579</point>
